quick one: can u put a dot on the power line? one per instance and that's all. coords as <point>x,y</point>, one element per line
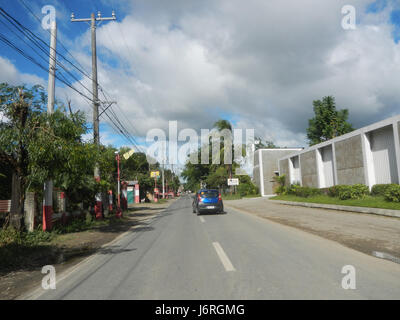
<point>116,123</point>
<point>126,132</point>
<point>81,69</point>
<point>4,39</point>
<point>37,42</point>
<point>126,118</point>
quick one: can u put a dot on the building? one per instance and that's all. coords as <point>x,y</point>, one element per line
<point>370,155</point>
<point>263,175</point>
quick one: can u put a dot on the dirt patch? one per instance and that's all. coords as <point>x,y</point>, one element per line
<point>362,232</point>
<point>69,249</point>
<point>364,245</point>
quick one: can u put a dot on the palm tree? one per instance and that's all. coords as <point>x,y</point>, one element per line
<point>222,125</point>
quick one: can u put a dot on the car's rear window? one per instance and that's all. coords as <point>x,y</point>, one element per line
<point>209,194</point>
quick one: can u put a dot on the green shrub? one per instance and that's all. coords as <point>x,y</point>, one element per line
<point>333,191</point>
<point>304,192</point>
<point>344,192</point>
<point>281,190</point>
<point>392,193</point>
<point>380,189</point>
<point>281,180</point>
<point>245,189</point>
<point>12,236</point>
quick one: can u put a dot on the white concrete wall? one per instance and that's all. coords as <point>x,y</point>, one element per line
<point>327,166</point>
<point>295,170</point>
<point>381,155</point>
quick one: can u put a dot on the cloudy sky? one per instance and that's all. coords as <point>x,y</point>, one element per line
<point>257,63</point>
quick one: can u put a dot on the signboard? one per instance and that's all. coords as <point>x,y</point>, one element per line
<point>233,182</point>
<point>154,174</point>
<point>128,154</point>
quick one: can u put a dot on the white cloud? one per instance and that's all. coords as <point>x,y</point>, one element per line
<point>263,62</point>
<point>11,75</point>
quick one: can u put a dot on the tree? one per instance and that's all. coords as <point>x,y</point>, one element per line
<point>35,145</point>
<point>328,122</point>
<point>222,125</point>
<point>213,175</point>
<point>78,182</point>
<point>267,144</point>
<point>194,173</point>
<point>5,181</point>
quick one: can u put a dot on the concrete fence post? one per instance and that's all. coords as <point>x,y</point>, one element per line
<point>30,211</point>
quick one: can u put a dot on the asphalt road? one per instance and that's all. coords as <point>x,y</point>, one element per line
<point>180,255</point>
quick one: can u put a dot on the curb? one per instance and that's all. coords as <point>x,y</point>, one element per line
<point>376,211</point>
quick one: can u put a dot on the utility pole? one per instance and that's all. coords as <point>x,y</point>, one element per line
<point>48,185</point>
<point>162,171</point>
<point>119,211</point>
<point>163,183</point>
<point>96,136</point>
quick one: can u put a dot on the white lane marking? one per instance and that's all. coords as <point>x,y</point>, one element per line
<point>223,257</point>
<point>202,219</point>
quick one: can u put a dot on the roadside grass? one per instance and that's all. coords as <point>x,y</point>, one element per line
<point>238,196</point>
<point>367,201</point>
<point>161,201</point>
<point>85,224</point>
<point>26,250</point>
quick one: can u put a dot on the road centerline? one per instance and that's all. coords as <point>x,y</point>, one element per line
<point>223,257</point>
<point>202,219</point>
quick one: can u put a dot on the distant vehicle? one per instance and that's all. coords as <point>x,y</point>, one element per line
<point>207,200</point>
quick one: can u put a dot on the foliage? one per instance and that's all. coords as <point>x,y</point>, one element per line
<point>281,180</point>
<point>5,181</point>
<point>267,144</point>
<point>303,191</point>
<point>368,201</point>
<point>137,168</point>
<point>246,186</point>
<point>327,122</point>
<point>215,175</point>
<point>343,192</point>
<point>223,124</point>
<point>81,224</point>
<point>380,189</point>
<point>281,190</point>
<point>218,178</point>
<point>392,193</point>
<point>194,174</point>
<point>13,236</point>
<point>37,146</point>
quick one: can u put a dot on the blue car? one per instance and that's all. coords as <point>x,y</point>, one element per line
<point>207,200</point>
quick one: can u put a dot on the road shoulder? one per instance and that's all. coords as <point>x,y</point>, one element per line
<point>367,233</point>
<point>73,249</point>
